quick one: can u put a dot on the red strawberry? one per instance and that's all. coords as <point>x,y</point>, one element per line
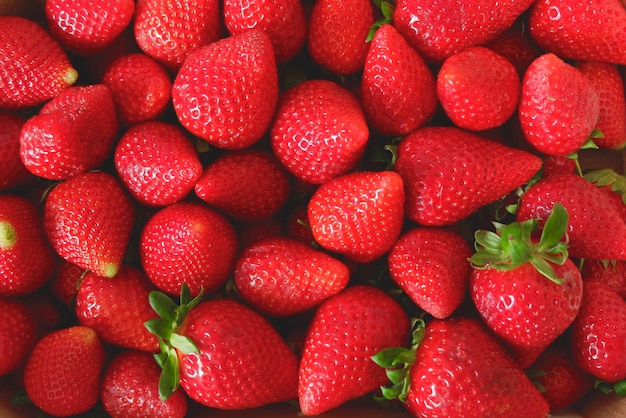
<point>226,92</point>
<point>555,164</point>
<point>157,163</point>
<point>345,332</point>
<point>598,337</point>
<point>611,273</point>
<point>170,37</point>
<point>337,34</point>
<point>298,226</point>
<point>89,219</point>
<point>430,265</point>
<point>527,293</point>
<point>581,30</point>
<point>12,171</point>
<point>595,230</point>
<point>282,277</point>
<point>319,131</point>
<point>248,185</point>
<point>63,372</point>
<point>18,335</point>
<point>359,215</point>
<point>607,81</point>
<point>457,369</point>
<point>73,133</point>
<point>450,173</point>
<point>141,88</point>
<point>188,242</point>
<point>34,68</point>
<point>612,185</point>
<point>398,90</point>
<point>84,27</point>
<point>116,308</point>
<point>558,107</point>
<point>45,309</point>
<point>478,88</point>
<point>438,29</point>
<point>26,259</point>
<point>130,389</point>
<point>516,45</point>
<point>65,282</point>
<point>251,233</point>
<point>283,21</point>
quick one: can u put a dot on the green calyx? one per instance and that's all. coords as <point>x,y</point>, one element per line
<point>397,362</point>
<point>171,316</point>
<point>386,8</point>
<point>618,388</point>
<point>513,245</point>
<point>608,178</point>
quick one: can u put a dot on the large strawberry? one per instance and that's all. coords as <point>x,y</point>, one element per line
<point>226,93</point>
<point>398,90</point>
<point>359,215</point>
<point>319,131</point>
<point>589,30</point>
<point>610,272</point>
<point>33,67</point>
<point>345,332</point>
<point>450,173</point>
<point>89,219</point>
<point>18,334</point>
<point>12,171</point>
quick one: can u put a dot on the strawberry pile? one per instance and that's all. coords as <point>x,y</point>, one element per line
<point>230,204</point>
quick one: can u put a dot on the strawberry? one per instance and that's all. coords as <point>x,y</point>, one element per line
<point>188,242</point>
<point>248,185</point>
<point>456,368</point>
<point>608,83</point>
<point>130,388</point>
<point>86,28</point>
<point>337,34</point>
<point>63,372</point>
<point>281,277</point>
<point>449,173</point>
<point>612,185</point>
<point>73,133</point>
<point>398,90</point>
<point>430,266</point>
<point>141,88</point>
<point>595,230</point>
<point>528,293</point>
<point>438,29</point>
<point>168,36</point>
<point>226,92</point>
<point>478,89</point>
<point>89,219</point>
<point>359,215</point>
<point>580,30</point>
<point>65,281</point>
<point>157,163</point>
<point>598,337</point>
<point>516,45</point>
<point>319,131</point>
<point>611,273</point>
<point>26,259</point>
<point>555,164</point>
<point>18,335</point>
<point>345,332</point>
<point>12,171</point>
<point>298,226</point>
<point>283,21</point>
<point>558,107</point>
<point>251,233</point>
<point>34,68</point>
<point>116,308</point>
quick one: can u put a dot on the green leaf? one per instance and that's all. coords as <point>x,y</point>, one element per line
<point>391,392</point>
<point>393,356</point>
<point>596,133</point>
<point>183,344</point>
<point>543,267</point>
<point>170,376</point>
<point>163,305</point>
<point>620,387</point>
<point>555,228</point>
<point>159,327</point>
<point>489,241</point>
<point>397,375</point>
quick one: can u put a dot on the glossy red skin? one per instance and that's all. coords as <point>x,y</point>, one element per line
<point>461,370</point>
<point>12,171</point>
<point>611,273</point>
<point>238,348</point>
<point>345,332</point>
<point>516,45</point>
<point>18,335</point>
<point>526,310</point>
<point>130,389</point>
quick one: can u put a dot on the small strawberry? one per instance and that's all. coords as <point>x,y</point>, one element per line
<point>65,281</point>
<point>130,388</point>
<point>84,27</point>
<point>430,265</point>
<point>555,164</point>
<point>516,45</point>
<point>298,226</point>
<point>319,131</point>
<point>282,277</point>
<point>33,66</point>
<point>73,133</point>
<point>345,332</point>
<point>398,90</point>
<point>359,215</point>
<point>89,219</point>
<point>12,171</point>
<point>63,372</point>
<point>18,334</point>
<point>558,107</point>
<point>157,163</point>
<point>188,242</point>
<point>450,173</point>
<point>610,272</point>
